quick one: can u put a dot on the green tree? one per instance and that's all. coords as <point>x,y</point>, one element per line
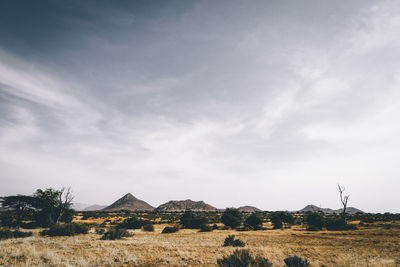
<point>189,220</point>
<point>20,205</point>
<point>232,217</point>
<point>254,221</point>
<point>53,206</point>
<point>276,221</point>
<point>315,221</point>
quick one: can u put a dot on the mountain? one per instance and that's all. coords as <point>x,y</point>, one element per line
<point>129,202</point>
<point>95,207</point>
<point>79,206</point>
<point>182,205</point>
<point>313,208</point>
<point>248,209</point>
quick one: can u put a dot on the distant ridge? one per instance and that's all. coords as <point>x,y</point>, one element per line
<point>313,208</point>
<point>248,209</point>
<point>182,205</point>
<point>79,206</point>
<point>95,207</point>
<point>129,202</point>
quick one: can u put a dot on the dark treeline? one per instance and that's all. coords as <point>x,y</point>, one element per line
<point>42,209</point>
<point>48,207</point>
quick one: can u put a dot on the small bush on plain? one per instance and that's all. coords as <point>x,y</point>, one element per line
<point>243,258</point>
<point>276,221</point>
<point>315,221</point>
<point>132,223</point>
<point>170,229</point>
<point>115,233</point>
<point>205,228</point>
<point>148,227</point>
<point>254,222</point>
<point>231,241</point>
<point>67,229</point>
<point>296,261</point>
<point>5,234</point>
<point>232,217</point>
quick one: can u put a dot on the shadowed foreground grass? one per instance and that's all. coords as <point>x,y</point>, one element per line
<point>372,246</point>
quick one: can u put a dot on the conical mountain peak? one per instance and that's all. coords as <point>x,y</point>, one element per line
<point>129,202</point>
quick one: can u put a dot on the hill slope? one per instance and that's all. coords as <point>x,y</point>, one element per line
<point>313,208</point>
<point>182,205</point>
<point>129,202</point>
<point>248,209</point>
<point>94,207</point>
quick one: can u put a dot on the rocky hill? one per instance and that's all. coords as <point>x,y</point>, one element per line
<point>129,202</point>
<point>313,208</point>
<point>182,205</point>
<point>248,209</point>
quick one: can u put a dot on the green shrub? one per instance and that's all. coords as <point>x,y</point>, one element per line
<point>338,224</point>
<point>67,229</point>
<point>295,261</point>
<point>315,221</point>
<point>30,225</point>
<point>148,227</point>
<point>132,223</point>
<point>254,222</point>
<point>115,233</point>
<point>189,220</point>
<point>5,234</point>
<point>100,231</point>
<point>232,217</point>
<point>231,241</point>
<point>170,229</point>
<point>243,258</point>
<point>276,221</point>
<point>205,228</point>
<point>20,234</point>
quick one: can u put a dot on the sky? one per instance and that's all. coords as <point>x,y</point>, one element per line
<point>262,103</point>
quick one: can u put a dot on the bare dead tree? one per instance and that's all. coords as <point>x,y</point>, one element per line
<point>65,201</point>
<point>344,199</point>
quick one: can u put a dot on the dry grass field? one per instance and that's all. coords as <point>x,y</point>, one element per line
<point>377,245</point>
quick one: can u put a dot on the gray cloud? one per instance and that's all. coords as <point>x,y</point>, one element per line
<point>268,103</point>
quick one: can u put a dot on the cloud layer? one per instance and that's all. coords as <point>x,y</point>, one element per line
<point>269,104</point>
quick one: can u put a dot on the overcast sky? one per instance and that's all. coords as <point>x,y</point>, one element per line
<point>264,103</point>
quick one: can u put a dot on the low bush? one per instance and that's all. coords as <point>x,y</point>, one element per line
<point>67,229</point>
<point>243,258</point>
<point>100,231</point>
<point>315,221</point>
<point>20,234</point>
<point>190,220</point>
<point>231,241</point>
<point>254,222</point>
<point>205,228</point>
<point>313,228</point>
<point>276,221</point>
<point>5,234</point>
<point>148,227</point>
<point>296,261</point>
<point>132,223</point>
<point>29,225</point>
<point>115,233</point>
<point>170,229</point>
<point>232,217</point>
<point>338,224</point>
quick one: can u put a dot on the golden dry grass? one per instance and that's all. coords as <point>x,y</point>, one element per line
<point>373,246</point>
